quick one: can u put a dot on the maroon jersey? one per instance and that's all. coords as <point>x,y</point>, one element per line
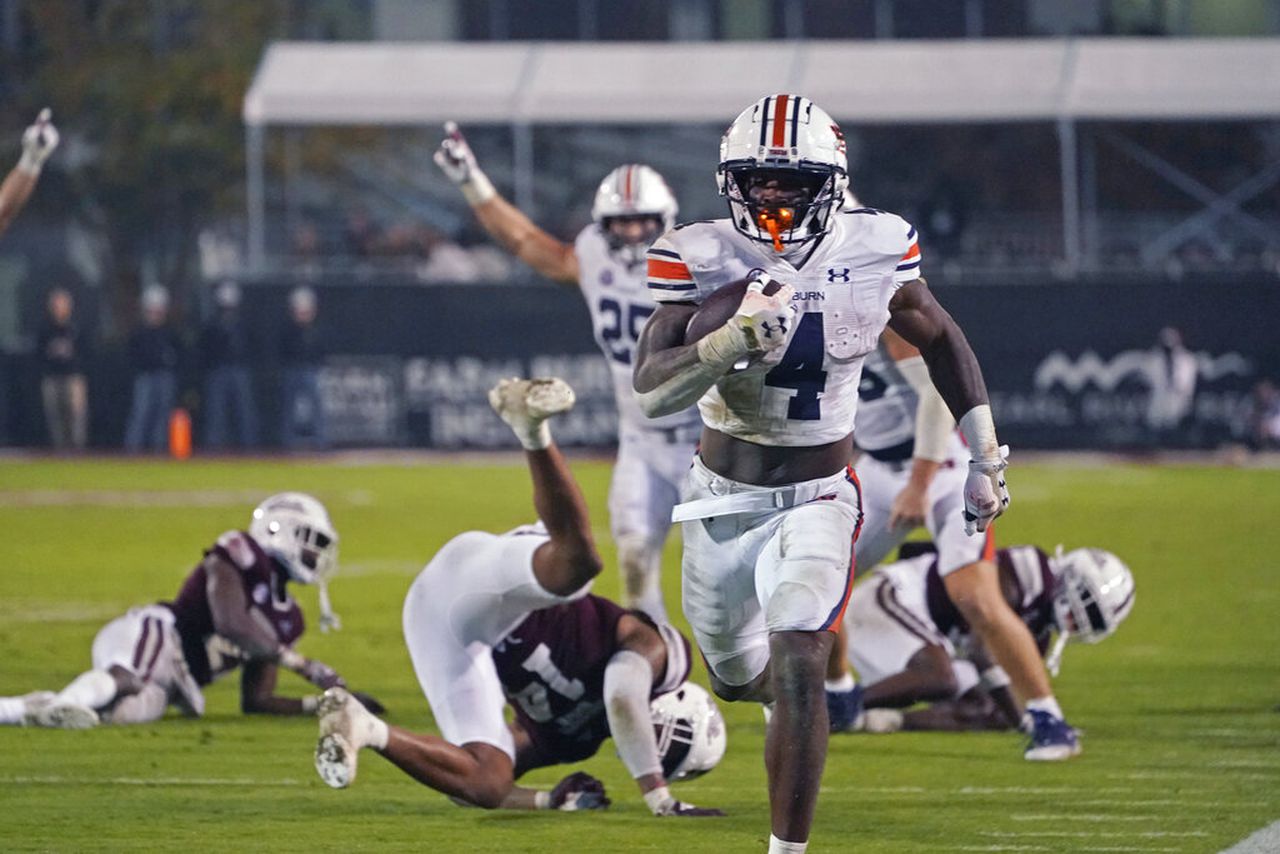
<point>1028,585</point>
<point>208,655</point>
<point>552,671</point>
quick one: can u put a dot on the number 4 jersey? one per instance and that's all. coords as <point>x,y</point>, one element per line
<point>808,394</point>
<point>620,303</point>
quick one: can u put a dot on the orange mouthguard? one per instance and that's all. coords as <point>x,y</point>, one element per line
<point>773,221</point>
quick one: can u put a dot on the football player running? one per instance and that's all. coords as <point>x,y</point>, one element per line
<point>771,510</point>
<point>509,615</point>
<point>233,610</point>
<point>38,142</point>
<point>910,642</point>
<point>606,262</point>
<point>912,471</point>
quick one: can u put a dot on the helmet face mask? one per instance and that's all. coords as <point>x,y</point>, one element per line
<point>633,194</point>
<point>783,171</point>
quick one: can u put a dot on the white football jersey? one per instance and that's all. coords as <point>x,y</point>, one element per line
<point>807,395</point>
<point>620,303</point>
<point>886,405</point>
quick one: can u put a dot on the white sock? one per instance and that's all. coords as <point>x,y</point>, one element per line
<point>767,708</point>
<point>779,846</point>
<point>93,688</point>
<point>378,734</point>
<point>843,685</point>
<point>1046,704</point>
<point>12,710</point>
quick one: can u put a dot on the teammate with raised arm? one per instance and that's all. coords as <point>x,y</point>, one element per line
<point>494,616</point>
<point>38,142</point>
<point>912,474</point>
<point>606,262</point>
<point>910,642</point>
<point>771,510</point>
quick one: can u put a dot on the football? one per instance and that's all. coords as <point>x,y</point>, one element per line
<point>720,306</point>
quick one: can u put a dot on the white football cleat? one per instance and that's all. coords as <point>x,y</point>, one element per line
<point>526,404</point>
<point>345,727</point>
<point>61,716</point>
<point>37,700</point>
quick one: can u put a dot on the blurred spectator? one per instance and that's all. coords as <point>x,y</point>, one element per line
<point>361,236</point>
<point>445,261</point>
<point>61,350</point>
<point>306,249</point>
<point>1171,371</point>
<point>153,357</point>
<point>228,390</point>
<point>300,352</point>
<point>1264,416</point>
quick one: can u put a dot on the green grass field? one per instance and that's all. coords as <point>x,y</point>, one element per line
<point>1182,746</point>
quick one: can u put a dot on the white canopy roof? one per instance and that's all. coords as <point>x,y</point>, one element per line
<point>381,83</point>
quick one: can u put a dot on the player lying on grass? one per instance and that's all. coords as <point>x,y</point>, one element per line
<point>909,642</point>
<point>233,610</point>
<point>494,615</point>
<point>38,142</point>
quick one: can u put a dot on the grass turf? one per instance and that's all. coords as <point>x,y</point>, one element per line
<point>1179,708</point>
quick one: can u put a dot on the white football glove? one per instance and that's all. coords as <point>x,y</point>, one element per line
<point>985,494</point>
<point>766,321</point>
<point>456,160</point>
<point>38,142</point>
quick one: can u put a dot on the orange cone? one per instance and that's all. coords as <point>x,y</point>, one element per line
<point>180,434</point>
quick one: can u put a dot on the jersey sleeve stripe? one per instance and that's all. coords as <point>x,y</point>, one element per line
<point>911,235</point>
<point>671,270</point>
<point>913,252</point>
<point>665,253</point>
<point>672,286</point>
<point>910,265</point>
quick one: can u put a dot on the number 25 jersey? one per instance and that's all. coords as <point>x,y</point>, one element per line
<point>807,394</point>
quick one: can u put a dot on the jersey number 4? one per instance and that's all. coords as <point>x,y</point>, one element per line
<point>801,369</point>
<point>620,327</point>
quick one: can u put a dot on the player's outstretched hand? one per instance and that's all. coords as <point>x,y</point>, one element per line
<point>579,791</point>
<point>907,510</point>
<point>767,321</point>
<point>370,702</point>
<point>985,494</point>
<point>38,142</point>
<point>454,156</point>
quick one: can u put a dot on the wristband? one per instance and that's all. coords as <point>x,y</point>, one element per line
<point>659,800</point>
<point>291,659</point>
<point>980,434</point>
<point>994,677</point>
<point>310,704</point>
<point>478,189</point>
<point>541,800</point>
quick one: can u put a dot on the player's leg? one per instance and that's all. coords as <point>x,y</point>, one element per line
<point>14,710</point>
<point>969,573</point>
<point>147,705</point>
<point>640,503</point>
<point>570,560</point>
<point>804,578</point>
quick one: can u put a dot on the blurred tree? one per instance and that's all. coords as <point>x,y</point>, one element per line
<point>148,94</point>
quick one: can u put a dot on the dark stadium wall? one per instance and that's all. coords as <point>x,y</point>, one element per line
<point>1067,364</point>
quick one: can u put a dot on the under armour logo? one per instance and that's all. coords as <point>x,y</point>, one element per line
<point>837,275</point>
<point>780,326</point>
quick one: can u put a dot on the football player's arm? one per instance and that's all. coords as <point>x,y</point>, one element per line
<point>505,223</point>
<point>38,142</point>
<point>995,683</point>
<point>577,791</point>
<point>916,316</point>
<point>933,428</point>
<point>670,375</point>
<point>629,679</point>
<point>971,713</point>
<point>258,692</point>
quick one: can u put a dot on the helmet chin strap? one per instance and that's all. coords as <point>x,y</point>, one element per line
<point>328,619</point>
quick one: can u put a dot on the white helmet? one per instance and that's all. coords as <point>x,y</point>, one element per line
<point>295,529</point>
<point>1094,595</point>
<point>690,732</point>
<point>633,190</point>
<point>783,133</point>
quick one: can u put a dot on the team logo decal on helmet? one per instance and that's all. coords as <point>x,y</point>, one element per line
<point>690,732</point>
<point>633,192</point>
<point>783,169</point>
<point>1094,595</point>
<point>295,529</point>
